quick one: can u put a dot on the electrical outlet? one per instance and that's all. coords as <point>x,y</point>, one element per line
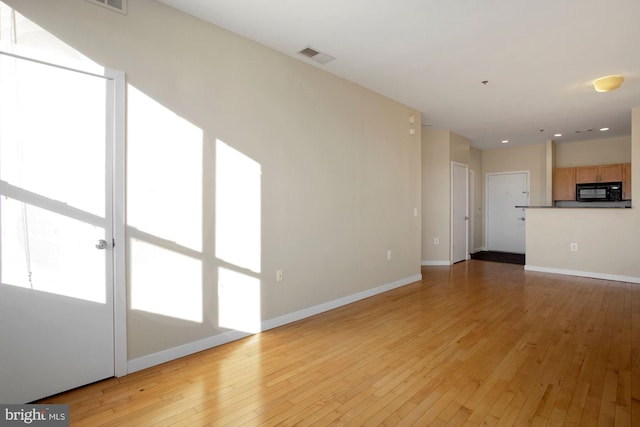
<point>415,211</point>
<point>388,254</point>
<point>279,275</point>
<point>573,247</point>
<point>436,240</point>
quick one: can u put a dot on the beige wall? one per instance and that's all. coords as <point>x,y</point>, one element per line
<point>339,171</point>
<point>596,152</point>
<point>459,148</point>
<point>436,195</point>
<point>530,158</point>
<point>609,248</point>
<point>439,149</point>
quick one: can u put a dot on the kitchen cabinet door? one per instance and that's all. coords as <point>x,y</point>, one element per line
<point>564,184</point>
<point>626,181</point>
<point>587,174</point>
<point>610,173</point>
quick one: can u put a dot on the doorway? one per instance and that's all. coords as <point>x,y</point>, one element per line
<point>505,224</point>
<point>459,212</point>
<point>62,310</point>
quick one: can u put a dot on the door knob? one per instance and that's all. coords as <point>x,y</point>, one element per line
<point>521,218</point>
<point>102,244</point>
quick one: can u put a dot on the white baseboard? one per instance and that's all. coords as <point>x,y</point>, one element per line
<point>480,249</point>
<point>430,263</point>
<point>604,276</point>
<point>163,356</point>
<point>167,355</point>
<point>312,311</point>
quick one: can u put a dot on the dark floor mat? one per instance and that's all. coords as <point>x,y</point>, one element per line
<point>499,257</point>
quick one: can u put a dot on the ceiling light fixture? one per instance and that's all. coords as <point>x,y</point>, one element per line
<point>557,134</point>
<point>608,83</point>
<point>504,141</point>
<point>604,129</point>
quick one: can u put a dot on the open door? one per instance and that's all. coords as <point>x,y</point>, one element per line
<point>57,229</point>
<point>459,212</point>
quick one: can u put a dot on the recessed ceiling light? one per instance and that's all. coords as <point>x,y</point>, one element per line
<point>557,134</point>
<point>504,141</point>
<point>604,129</point>
<point>608,83</point>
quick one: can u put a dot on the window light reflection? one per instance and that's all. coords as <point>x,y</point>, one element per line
<point>239,301</point>
<point>237,208</point>
<point>238,241</point>
<point>164,173</point>
<point>164,209</point>
<point>165,282</point>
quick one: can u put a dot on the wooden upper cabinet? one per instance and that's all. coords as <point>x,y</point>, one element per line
<point>626,181</point>
<point>565,179</point>
<point>602,173</point>
<point>564,184</point>
<point>611,173</point>
<point>587,174</point>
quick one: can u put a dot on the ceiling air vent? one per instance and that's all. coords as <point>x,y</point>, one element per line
<point>309,52</point>
<point>116,5</point>
<point>315,55</point>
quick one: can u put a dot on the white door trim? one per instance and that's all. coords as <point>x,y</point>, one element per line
<point>486,198</point>
<point>471,208</point>
<point>119,249</point>
<point>466,228</point>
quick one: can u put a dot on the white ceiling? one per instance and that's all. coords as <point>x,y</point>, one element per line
<point>539,57</point>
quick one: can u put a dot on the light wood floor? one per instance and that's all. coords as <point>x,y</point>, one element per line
<point>477,343</point>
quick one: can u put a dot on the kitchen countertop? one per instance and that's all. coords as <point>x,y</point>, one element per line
<point>574,207</point>
<point>569,204</point>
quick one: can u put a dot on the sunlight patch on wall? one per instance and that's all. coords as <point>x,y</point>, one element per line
<point>164,210</point>
<point>164,172</point>
<point>165,282</point>
<point>238,208</point>
<point>238,239</point>
<point>239,301</point>
<point>23,36</point>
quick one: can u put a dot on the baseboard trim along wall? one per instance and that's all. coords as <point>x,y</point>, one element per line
<point>160,357</point>
<point>431,263</point>
<point>604,276</point>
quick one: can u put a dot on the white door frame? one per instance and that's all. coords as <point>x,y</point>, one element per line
<point>471,210</point>
<point>115,108</point>
<point>119,198</point>
<point>486,199</point>
<point>466,228</point>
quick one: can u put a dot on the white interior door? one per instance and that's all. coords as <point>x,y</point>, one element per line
<point>56,291</point>
<point>506,223</point>
<point>459,212</point>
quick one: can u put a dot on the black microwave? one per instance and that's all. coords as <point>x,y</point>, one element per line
<point>599,191</point>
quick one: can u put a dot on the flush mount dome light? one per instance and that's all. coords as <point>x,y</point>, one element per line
<point>608,83</point>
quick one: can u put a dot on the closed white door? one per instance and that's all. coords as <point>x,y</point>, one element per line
<point>506,223</point>
<point>56,291</point>
<point>459,212</point>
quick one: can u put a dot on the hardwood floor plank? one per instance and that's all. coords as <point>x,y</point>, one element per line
<point>470,344</point>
